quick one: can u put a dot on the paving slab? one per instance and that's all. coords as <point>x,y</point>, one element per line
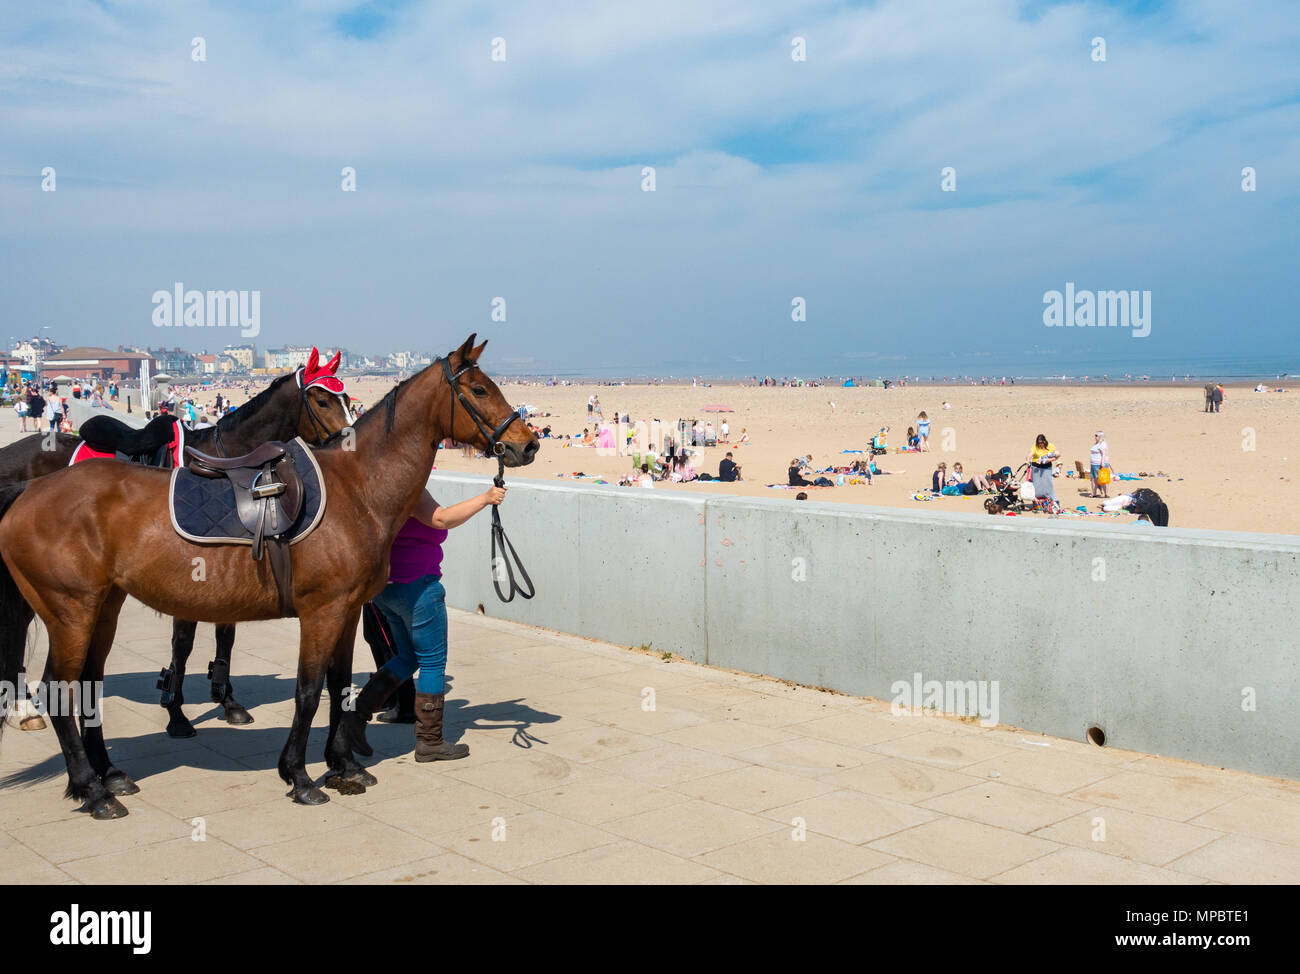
<point>577,775</point>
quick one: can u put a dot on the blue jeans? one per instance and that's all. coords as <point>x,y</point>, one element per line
<point>417,613</point>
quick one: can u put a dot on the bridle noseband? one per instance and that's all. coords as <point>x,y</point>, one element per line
<point>509,557</point>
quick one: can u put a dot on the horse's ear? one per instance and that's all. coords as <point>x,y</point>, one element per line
<point>465,349</point>
<point>333,366</point>
<point>475,353</point>
<point>313,360</point>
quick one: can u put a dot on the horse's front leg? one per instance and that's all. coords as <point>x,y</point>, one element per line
<point>346,775</point>
<point>223,690</point>
<point>318,639</point>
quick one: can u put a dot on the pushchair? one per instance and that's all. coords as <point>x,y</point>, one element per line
<point>1011,491</point>
<point>880,442</point>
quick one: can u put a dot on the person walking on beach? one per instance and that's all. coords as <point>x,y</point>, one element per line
<point>1218,396</point>
<point>1098,457</point>
<point>54,408</point>
<point>35,408</point>
<point>1209,397</point>
<point>1041,460</point>
<point>923,430</point>
<point>414,605</point>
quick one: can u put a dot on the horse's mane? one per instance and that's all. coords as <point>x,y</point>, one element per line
<point>387,405</point>
<point>232,421</point>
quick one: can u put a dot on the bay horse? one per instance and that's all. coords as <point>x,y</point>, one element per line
<point>114,539</point>
<point>308,402</point>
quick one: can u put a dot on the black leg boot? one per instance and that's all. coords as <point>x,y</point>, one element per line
<point>403,711</point>
<point>370,699</point>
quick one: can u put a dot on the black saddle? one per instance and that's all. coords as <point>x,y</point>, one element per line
<point>268,499</point>
<point>108,435</point>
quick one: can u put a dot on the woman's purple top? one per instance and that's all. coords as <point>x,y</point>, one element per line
<point>417,551</point>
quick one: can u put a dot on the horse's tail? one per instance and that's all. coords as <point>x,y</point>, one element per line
<point>14,617</point>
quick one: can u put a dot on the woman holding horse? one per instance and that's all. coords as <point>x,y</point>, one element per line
<point>414,605</point>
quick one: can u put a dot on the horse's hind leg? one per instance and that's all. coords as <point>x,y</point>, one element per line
<point>92,688</point>
<point>346,775</point>
<point>223,691</point>
<point>172,680</point>
<point>69,637</point>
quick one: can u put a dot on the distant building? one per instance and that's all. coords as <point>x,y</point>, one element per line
<point>409,361</point>
<point>88,362</point>
<point>242,355</point>
<point>176,361</point>
<point>34,349</point>
<point>289,357</point>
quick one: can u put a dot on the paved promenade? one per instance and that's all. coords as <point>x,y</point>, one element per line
<point>592,763</point>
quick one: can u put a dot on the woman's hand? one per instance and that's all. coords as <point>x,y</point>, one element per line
<point>494,495</point>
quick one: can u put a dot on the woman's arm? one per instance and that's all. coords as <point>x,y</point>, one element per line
<point>445,518</point>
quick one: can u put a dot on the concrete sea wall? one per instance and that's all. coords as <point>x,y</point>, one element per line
<point>1171,641</point>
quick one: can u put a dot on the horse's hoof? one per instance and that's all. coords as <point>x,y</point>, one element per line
<point>121,784</point>
<point>236,714</point>
<point>107,808</point>
<point>180,728</point>
<point>309,795</point>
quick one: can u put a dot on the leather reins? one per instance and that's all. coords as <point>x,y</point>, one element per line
<point>500,543</point>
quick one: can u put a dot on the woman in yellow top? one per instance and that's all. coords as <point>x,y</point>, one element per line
<point>1041,461</point>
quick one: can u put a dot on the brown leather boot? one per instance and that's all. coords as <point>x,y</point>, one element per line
<point>429,745</point>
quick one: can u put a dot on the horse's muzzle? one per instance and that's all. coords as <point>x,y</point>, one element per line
<point>515,455</point>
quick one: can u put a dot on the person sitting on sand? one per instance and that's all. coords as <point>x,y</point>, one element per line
<point>974,485</point>
<point>728,469</point>
<point>646,480</point>
<point>939,479</point>
<point>744,437</point>
<point>796,480</point>
<point>913,441</point>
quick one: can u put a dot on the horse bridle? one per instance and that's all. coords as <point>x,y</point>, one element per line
<point>509,557</point>
<point>323,437</point>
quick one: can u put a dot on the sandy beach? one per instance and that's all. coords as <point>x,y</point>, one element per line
<point>1208,474</point>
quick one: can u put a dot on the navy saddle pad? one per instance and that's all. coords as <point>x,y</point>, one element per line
<point>203,509</point>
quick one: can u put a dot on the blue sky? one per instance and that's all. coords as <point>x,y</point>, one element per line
<point>775,179</point>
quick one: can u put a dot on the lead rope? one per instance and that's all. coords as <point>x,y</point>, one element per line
<point>508,553</point>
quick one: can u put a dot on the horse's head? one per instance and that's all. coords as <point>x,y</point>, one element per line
<point>473,393</point>
<point>326,408</point>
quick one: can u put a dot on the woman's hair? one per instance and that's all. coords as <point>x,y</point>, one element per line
<point>645,468</point>
<point>910,431</point>
<point>943,465</point>
<point>1041,440</point>
<point>957,465</point>
<point>921,415</point>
